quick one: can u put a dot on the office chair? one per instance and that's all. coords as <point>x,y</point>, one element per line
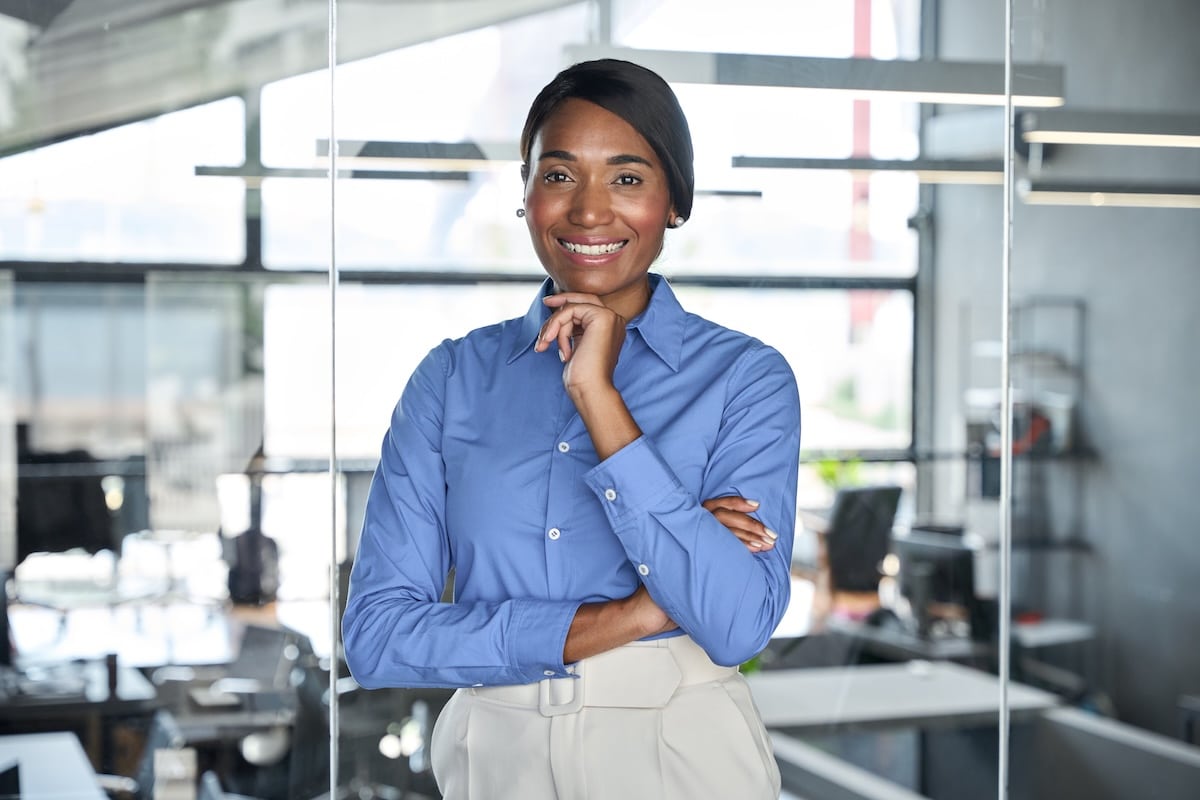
<point>859,536</point>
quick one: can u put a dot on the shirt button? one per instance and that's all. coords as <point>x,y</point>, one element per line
<point>563,447</point>
<point>643,569</point>
<point>549,673</point>
<point>610,494</point>
<point>555,533</point>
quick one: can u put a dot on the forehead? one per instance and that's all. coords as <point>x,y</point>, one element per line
<point>579,127</point>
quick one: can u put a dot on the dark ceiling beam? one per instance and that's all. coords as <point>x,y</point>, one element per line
<point>36,12</point>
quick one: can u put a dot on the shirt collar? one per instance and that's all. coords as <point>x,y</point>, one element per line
<point>661,325</point>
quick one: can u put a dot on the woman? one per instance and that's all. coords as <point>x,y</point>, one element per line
<point>601,607</point>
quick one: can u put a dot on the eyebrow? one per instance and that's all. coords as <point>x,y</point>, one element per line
<point>626,158</point>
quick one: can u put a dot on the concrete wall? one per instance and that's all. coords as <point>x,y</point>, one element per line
<point>1138,273</point>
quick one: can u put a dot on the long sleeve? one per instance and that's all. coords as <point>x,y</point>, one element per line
<point>728,599</point>
<point>396,631</point>
<point>488,469</point>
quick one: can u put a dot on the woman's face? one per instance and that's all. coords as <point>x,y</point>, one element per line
<point>597,203</point>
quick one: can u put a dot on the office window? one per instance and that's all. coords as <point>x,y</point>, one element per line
<point>476,86</point>
<point>383,332</point>
<point>203,390</point>
<point>79,374</point>
<point>851,352</point>
<point>130,194</point>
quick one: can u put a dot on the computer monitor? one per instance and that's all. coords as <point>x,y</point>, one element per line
<point>937,568</point>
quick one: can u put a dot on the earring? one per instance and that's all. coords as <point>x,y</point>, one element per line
<point>520,212</point>
<point>677,222</point>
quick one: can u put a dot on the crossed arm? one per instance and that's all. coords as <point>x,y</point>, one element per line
<point>589,338</point>
<point>726,592</point>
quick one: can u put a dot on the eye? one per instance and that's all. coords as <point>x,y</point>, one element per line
<point>628,180</point>
<point>555,176</point>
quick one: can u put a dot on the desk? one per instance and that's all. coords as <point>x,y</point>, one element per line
<point>920,695</point>
<point>901,645</point>
<point>53,766</point>
<point>893,695</point>
<point>77,692</point>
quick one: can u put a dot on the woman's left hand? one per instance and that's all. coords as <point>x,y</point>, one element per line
<point>734,513</point>
<point>589,337</point>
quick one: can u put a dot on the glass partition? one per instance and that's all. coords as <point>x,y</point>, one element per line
<point>170,334</point>
<point>151,544</point>
<point>821,262</point>
<point>1103,283</point>
<point>8,455</point>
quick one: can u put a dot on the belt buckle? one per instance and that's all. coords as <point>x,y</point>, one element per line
<point>548,707</point>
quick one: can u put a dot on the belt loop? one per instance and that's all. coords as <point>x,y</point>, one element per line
<point>546,692</point>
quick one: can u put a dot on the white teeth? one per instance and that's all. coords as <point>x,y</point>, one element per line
<point>592,249</point>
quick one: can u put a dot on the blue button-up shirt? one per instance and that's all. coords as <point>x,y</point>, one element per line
<point>487,468</point>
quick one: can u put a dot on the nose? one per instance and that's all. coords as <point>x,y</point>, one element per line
<point>591,205</point>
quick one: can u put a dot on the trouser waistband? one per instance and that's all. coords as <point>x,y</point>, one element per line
<point>636,675</point>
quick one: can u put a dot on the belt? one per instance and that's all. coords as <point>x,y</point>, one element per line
<point>636,675</point>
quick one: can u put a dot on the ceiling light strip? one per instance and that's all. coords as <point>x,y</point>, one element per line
<point>958,82</point>
<point>317,172</point>
<point>1110,195</point>
<point>1069,126</point>
<point>928,170</point>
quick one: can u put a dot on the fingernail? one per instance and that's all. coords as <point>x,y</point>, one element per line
<point>771,533</point>
<point>752,502</point>
<point>562,356</point>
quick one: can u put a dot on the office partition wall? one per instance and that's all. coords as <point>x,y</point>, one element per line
<point>230,231</point>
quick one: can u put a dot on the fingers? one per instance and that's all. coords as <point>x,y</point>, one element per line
<point>732,503</point>
<point>733,512</point>
<point>589,337</point>
<point>562,298</point>
<point>756,536</point>
<point>574,310</point>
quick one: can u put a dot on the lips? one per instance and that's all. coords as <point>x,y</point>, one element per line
<point>602,249</point>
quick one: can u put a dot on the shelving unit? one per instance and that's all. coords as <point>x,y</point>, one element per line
<point>1047,375</point>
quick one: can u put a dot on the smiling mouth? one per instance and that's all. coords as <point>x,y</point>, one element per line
<point>592,249</point>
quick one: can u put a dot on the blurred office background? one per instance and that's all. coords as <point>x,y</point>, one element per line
<point>180,493</point>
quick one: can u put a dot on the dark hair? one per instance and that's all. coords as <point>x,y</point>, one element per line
<point>636,95</point>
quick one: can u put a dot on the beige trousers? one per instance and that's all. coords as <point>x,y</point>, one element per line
<point>655,720</point>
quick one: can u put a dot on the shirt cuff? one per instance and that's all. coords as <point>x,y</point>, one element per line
<point>536,645</point>
<point>631,480</point>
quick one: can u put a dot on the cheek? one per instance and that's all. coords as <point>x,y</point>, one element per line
<point>540,211</point>
<point>646,213</point>
<point>649,221</point>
